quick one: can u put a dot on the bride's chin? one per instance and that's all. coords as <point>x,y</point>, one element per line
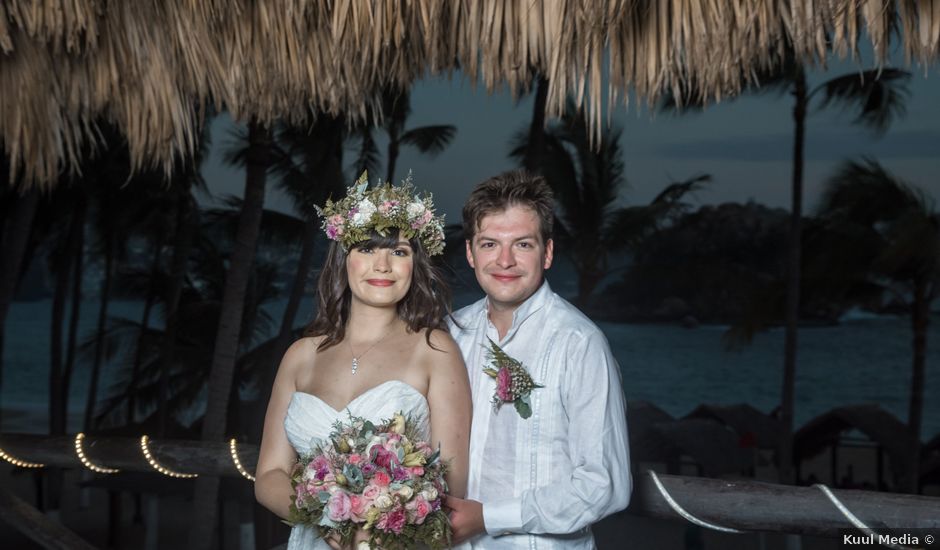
<point>377,302</point>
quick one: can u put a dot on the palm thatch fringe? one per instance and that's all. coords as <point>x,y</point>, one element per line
<point>152,66</point>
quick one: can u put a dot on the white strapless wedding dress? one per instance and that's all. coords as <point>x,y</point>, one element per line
<point>309,420</point>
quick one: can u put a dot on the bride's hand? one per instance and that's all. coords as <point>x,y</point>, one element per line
<point>361,536</point>
<point>334,541</point>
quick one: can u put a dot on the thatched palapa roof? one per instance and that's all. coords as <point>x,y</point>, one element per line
<point>150,66</point>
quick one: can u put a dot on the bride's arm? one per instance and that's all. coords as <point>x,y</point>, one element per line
<point>277,457</point>
<point>451,408</point>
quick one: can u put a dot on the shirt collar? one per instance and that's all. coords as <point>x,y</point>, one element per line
<point>533,304</point>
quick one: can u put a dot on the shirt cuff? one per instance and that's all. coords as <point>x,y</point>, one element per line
<point>503,517</point>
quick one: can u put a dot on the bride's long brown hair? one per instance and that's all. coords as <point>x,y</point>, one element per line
<point>424,307</point>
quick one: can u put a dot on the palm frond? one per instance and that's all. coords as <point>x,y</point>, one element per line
<point>367,152</point>
<point>876,95</point>
<point>430,140</point>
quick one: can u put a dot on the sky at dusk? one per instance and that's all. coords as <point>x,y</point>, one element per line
<point>745,144</point>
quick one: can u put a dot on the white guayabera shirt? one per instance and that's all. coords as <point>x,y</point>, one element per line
<point>544,480</point>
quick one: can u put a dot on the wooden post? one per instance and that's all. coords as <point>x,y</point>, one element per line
<point>34,524</point>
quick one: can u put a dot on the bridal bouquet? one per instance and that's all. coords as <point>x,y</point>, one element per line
<point>380,478</point>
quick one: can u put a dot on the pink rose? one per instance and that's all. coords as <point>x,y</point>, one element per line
<point>417,471</point>
<point>392,521</point>
<point>358,506</point>
<point>420,508</point>
<point>387,206</point>
<point>384,458</point>
<point>354,459</point>
<point>320,466</point>
<point>371,491</point>
<point>504,385</point>
<point>381,479</point>
<point>338,506</point>
<point>337,220</point>
<point>424,448</point>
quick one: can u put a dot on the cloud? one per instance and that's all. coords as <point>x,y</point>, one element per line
<point>820,146</point>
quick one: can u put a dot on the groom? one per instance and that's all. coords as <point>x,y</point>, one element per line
<point>539,481</point>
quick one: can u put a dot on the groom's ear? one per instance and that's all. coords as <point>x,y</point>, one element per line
<point>549,254</point>
<point>470,254</point>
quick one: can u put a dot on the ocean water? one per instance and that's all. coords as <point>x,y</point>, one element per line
<point>865,359</point>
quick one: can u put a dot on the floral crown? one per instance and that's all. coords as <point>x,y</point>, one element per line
<point>353,218</point>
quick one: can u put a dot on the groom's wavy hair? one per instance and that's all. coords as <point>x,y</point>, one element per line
<point>513,188</point>
<point>424,307</point>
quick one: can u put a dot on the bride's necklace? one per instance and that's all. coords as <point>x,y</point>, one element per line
<point>355,358</point>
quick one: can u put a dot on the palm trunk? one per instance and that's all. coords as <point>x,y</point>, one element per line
<point>57,418</point>
<point>64,271</point>
<point>183,241</point>
<point>535,153</point>
<point>12,252</point>
<point>100,340</point>
<point>792,313</point>
<point>392,156</point>
<point>920,318</point>
<point>59,298</point>
<point>227,337</point>
<point>78,260</point>
<point>299,284</point>
<point>144,325</point>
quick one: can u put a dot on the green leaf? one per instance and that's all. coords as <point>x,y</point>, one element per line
<point>523,408</point>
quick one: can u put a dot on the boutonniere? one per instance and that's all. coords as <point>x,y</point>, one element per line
<point>513,381</point>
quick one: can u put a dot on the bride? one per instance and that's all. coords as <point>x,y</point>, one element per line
<point>378,345</point>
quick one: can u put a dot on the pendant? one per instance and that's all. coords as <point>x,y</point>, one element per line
<point>355,365</point>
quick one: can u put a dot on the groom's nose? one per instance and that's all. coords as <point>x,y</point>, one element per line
<point>505,258</point>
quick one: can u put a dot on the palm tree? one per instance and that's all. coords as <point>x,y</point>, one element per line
<point>431,140</point>
<point>886,236</point>
<point>587,180</point>
<point>310,170</point>
<point>115,210</point>
<point>13,245</point>
<point>225,351</point>
<point>877,97</point>
<point>140,377</point>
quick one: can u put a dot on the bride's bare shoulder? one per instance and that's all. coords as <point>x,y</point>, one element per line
<point>440,342</point>
<point>301,352</point>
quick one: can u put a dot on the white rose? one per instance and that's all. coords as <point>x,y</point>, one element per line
<point>383,502</point>
<point>406,492</point>
<point>364,212</point>
<point>429,494</point>
<point>415,209</point>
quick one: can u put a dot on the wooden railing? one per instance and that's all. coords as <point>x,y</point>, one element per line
<point>741,504</point>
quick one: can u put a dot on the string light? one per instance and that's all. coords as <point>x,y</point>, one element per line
<point>79,437</point>
<point>144,442</point>
<point>238,463</point>
<point>20,463</point>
